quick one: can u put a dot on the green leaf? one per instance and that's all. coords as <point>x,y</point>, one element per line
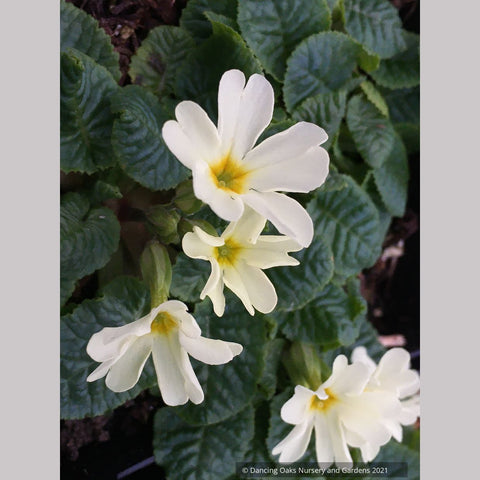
<point>123,300</point>
<point>368,61</point>
<point>268,381</point>
<point>402,70</point>
<point>322,63</point>
<point>228,388</point>
<point>85,118</point>
<point>195,21</point>
<point>82,32</point>
<point>372,133</point>
<point>138,143</point>
<point>326,110</point>
<point>404,105</point>
<point>296,286</point>
<point>410,134</point>
<point>273,29</point>
<point>199,78</point>
<point>88,238</point>
<point>156,62</point>
<point>392,179</point>
<point>188,278</point>
<point>102,191</point>
<point>385,217</point>
<point>328,320</point>
<point>375,24</point>
<point>375,97</point>
<point>348,222</point>
<point>201,452</point>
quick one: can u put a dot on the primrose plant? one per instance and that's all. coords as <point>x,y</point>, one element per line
<point>267,155</point>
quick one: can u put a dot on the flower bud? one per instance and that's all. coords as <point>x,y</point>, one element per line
<point>303,365</point>
<point>164,222</point>
<point>185,199</point>
<point>186,225</point>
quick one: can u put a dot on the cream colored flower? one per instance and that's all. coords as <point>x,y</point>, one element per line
<point>393,374</point>
<point>338,409</point>
<point>170,334</point>
<point>229,172</point>
<point>237,258</point>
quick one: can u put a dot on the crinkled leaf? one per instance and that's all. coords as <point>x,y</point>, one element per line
<point>85,117</point>
<point>123,301</point>
<point>199,78</point>
<point>322,63</point>
<point>392,179</point>
<point>88,238</point>
<point>375,97</point>
<point>372,132</point>
<point>403,104</point>
<point>375,24</point>
<point>328,320</point>
<point>268,381</point>
<point>297,285</point>
<point>189,277</point>
<point>102,191</point>
<point>82,32</point>
<point>227,388</point>
<point>385,217</point>
<point>348,222</point>
<point>201,452</point>
<point>273,29</point>
<point>194,20</point>
<point>410,134</point>
<point>156,62</point>
<point>138,143</point>
<point>402,70</point>
<point>367,60</point>
<point>326,110</point>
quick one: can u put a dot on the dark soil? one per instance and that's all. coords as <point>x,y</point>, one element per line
<point>103,447</point>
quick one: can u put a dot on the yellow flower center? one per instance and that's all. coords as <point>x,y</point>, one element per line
<point>227,254</point>
<point>230,175</point>
<point>323,405</point>
<point>163,324</point>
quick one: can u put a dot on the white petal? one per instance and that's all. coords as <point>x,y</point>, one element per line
<point>247,228</point>
<point>101,370</point>
<point>200,130</point>
<point>323,442</point>
<point>193,247</point>
<point>369,451</point>
<point>210,351</point>
<point>410,410</point>
<point>126,371</point>
<point>192,386</point>
<point>260,289</point>
<point>229,95</point>
<point>339,365</point>
<point>166,353</point>
<point>360,354</point>
<point>235,283</point>
<point>180,144</point>
<point>339,444</point>
<point>254,114</point>
<point>352,380</point>
<point>214,289</point>
<point>271,251</point>
<point>288,216</point>
<point>208,239</point>
<point>110,342</point>
<point>188,324</point>
<point>296,409</point>
<point>290,161</point>
<point>226,205</point>
<point>294,445</point>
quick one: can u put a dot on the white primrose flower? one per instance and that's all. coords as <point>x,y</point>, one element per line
<point>229,173</point>
<point>237,258</point>
<point>338,409</point>
<point>393,374</point>
<point>170,334</point>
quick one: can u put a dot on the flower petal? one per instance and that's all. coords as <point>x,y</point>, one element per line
<point>247,228</point>
<point>194,247</point>
<point>180,144</point>
<point>229,95</point>
<point>290,161</point>
<point>260,289</point>
<point>296,409</point>
<point>192,385</point>
<point>294,445</point>
<point>126,371</point>
<point>210,351</point>
<point>225,204</point>
<point>339,444</point>
<point>101,370</point>
<point>360,354</point>
<point>271,251</point>
<point>214,289</point>
<point>166,353</point>
<point>235,283</point>
<point>200,130</point>
<point>254,114</point>
<point>288,216</point>
<point>210,240</point>
<point>323,442</point>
